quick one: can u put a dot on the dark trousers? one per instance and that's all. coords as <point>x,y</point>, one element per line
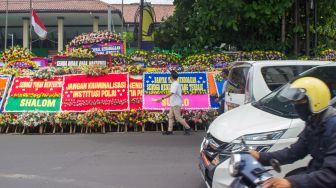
<point>221,107</point>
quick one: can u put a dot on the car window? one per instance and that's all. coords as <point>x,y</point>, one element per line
<point>276,76</point>
<point>237,80</point>
<point>272,104</point>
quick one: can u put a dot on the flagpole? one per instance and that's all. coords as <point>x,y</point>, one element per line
<point>122,16</point>
<point>30,28</point>
<point>6,25</point>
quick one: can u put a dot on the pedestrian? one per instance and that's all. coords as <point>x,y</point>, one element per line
<point>175,98</point>
<point>221,98</point>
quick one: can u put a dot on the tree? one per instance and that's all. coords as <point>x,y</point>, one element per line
<point>248,24</point>
<point>173,33</point>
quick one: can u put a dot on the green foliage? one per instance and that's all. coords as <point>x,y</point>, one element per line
<point>326,28</point>
<point>204,25</point>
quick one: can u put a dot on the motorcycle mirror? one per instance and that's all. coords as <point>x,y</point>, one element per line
<point>276,165</point>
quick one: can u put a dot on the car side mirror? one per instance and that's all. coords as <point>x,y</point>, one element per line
<point>276,165</point>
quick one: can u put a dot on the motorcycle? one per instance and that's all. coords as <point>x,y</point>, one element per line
<point>248,172</point>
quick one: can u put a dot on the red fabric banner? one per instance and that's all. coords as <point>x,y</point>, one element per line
<point>23,86</point>
<point>136,92</point>
<point>109,92</point>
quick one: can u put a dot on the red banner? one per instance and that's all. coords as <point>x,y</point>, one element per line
<point>109,92</point>
<point>136,92</point>
<point>28,87</point>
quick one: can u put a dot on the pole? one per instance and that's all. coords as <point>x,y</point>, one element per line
<point>30,28</point>
<point>12,39</point>
<point>315,23</point>
<point>113,29</point>
<point>109,17</point>
<point>307,28</point>
<point>6,25</point>
<point>140,24</point>
<point>122,16</point>
<point>296,22</point>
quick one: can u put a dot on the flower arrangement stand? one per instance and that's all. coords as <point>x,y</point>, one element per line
<point>120,125</point>
<point>196,124</point>
<point>7,129</point>
<point>54,129</point>
<point>41,127</point>
<point>103,129</point>
<point>143,128</point>
<point>25,130</point>
<point>161,127</point>
<point>110,128</point>
<point>125,127</point>
<point>61,127</point>
<point>135,128</point>
<point>74,129</point>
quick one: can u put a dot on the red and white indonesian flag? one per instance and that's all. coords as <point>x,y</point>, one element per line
<point>39,28</point>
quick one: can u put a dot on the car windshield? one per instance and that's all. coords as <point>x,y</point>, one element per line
<point>272,104</point>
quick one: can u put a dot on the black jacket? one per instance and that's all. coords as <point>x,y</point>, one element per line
<point>320,142</point>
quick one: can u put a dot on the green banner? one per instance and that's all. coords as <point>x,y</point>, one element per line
<point>15,104</point>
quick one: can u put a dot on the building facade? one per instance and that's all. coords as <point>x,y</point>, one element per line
<point>65,19</point>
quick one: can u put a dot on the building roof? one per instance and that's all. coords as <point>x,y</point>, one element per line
<point>54,5</point>
<point>162,11</point>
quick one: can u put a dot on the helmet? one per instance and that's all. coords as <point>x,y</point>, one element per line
<point>315,90</point>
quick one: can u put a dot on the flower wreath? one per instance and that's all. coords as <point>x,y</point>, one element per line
<point>21,63</point>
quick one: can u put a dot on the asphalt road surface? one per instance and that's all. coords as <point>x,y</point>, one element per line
<point>115,160</point>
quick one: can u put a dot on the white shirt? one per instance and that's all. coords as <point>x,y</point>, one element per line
<point>224,86</point>
<point>176,98</point>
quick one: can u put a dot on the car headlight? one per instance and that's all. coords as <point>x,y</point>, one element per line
<point>273,135</point>
<point>237,147</point>
<point>234,165</point>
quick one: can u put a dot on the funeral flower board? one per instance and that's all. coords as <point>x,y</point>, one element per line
<point>4,83</point>
<point>194,90</point>
<point>107,92</point>
<point>30,94</point>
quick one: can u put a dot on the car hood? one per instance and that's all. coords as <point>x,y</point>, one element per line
<point>244,120</point>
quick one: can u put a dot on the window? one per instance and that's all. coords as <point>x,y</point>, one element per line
<point>276,76</point>
<point>272,104</point>
<point>237,79</point>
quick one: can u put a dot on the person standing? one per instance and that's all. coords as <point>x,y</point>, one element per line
<point>221,98</point>
<point>176,101</point>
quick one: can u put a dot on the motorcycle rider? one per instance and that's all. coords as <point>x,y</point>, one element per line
<point>310,97</point>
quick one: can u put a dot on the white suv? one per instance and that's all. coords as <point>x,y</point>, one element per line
<point>266,125</point>
<point>249,81</point>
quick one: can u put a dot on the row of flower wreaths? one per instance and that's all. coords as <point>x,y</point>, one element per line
<point>97,120</point>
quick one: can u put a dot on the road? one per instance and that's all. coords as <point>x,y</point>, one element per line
<point>114,160</point>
